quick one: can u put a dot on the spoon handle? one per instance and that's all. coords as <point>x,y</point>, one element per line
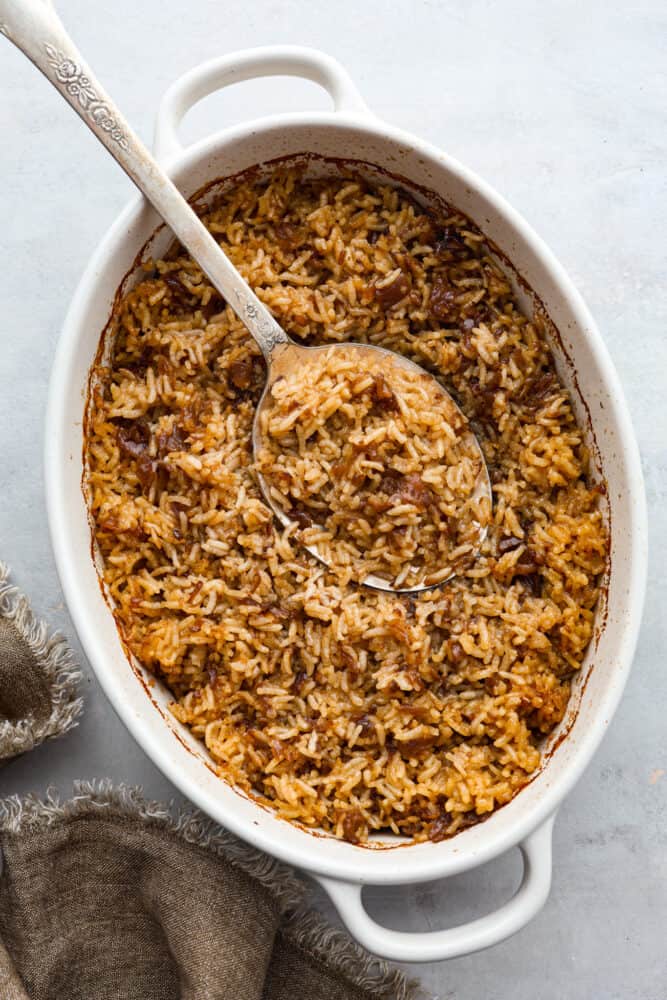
<point>34,27</point>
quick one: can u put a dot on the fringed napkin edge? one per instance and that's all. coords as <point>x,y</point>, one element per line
<point>60,671</point>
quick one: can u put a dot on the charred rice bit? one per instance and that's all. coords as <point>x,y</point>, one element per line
<point>380,462</point>
<point>340,707</point>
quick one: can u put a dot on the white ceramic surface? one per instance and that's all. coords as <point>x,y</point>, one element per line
<point>351,131</point>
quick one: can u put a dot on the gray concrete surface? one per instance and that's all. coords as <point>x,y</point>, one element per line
<point>560,105</point>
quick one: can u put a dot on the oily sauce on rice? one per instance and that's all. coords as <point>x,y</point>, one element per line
<point>340,707</point>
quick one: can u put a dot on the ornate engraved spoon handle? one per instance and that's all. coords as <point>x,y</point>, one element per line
<point>34,27</point>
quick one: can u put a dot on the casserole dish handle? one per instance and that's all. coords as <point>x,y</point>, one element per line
<point>249,64</point>
<point>433,946</point>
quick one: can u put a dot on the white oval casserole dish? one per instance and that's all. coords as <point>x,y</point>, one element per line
<point>352,132</point>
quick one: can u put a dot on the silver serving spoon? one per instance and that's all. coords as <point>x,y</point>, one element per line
<point>33,26</point>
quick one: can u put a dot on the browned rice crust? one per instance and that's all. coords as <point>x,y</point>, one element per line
<point>343,708</point>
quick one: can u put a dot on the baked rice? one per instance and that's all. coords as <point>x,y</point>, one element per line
<point>340,707</point>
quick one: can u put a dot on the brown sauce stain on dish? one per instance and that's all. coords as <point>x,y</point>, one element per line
<point>567,723</point>
<point>433,201</point>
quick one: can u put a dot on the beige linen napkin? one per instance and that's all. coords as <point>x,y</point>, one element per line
<point>38,677</point>
<point>110,897</point>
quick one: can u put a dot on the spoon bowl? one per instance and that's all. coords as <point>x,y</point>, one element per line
<point>286,357</point>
